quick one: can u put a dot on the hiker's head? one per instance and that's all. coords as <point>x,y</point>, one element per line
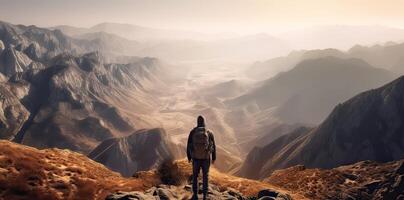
<point>200,121</point>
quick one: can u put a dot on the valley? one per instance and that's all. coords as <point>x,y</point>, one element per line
<point>121,100</point>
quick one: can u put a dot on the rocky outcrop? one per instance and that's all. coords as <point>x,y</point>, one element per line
<point>13,114</point>
<point>362,180</point>
<point>185,192</point>
<point>369,126</point>
<point>13,61</point>
<point>141,151</point>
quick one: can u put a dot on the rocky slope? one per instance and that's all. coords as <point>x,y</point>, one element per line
<point>143,150</point>
<point>362,180</point>
<point>85,101</point>
<point>366,127</point>
<point>13,114</point>
<point>29,173</point>
<point>56,95</point>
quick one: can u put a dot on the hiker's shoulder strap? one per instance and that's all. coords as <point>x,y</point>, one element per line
<point>210,135</point>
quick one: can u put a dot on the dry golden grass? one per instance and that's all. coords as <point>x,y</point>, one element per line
<point>29,173</point>
<point>336,183</point>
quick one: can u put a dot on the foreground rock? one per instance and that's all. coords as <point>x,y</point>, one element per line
<point>185,192</point>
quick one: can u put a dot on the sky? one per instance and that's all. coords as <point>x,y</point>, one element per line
<point>206,15</point>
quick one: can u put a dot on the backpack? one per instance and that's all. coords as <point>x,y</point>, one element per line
<point>200,144</point>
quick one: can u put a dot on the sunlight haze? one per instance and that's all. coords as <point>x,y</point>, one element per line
<point>239,16</point>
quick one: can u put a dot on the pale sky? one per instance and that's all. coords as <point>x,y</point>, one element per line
<point>205,15</point>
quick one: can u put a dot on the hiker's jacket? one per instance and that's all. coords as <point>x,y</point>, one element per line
<point>211,143</point>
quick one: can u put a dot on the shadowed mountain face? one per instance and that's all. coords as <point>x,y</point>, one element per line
<point>143,150</point>
<point>308,92</point>
<point>366,127</point>
<point>258,156</point>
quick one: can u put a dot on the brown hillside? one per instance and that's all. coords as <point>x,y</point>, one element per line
<point>29,173</point>
<point>362,180</point>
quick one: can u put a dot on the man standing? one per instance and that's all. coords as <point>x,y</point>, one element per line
<point>201,149</point>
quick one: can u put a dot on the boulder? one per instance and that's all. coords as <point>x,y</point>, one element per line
<point>267,193</point>
<point>129,196</point>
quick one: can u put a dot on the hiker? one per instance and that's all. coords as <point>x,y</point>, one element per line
<point>201,149</point>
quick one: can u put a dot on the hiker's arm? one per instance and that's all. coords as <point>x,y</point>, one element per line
<point>189,146</point>
<point>213,147</point>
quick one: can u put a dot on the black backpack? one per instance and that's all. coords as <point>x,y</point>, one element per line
<point>201,144</point>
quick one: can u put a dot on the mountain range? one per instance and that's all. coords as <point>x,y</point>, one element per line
<point>55,91</point>
<point>97,92</point>
<point>385,56</point>
<point>365,127</point>
<point>178,46</point>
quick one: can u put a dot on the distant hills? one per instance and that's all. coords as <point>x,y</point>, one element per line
<point>135,32</point>
<point>308,92</point>
<point>176,45</point>
<point>387,56</point>
<point>341,36</point>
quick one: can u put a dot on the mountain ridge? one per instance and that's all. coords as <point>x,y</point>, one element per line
<point>351,133</point>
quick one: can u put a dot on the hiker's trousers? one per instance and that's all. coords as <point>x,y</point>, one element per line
<point>197,164</point>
